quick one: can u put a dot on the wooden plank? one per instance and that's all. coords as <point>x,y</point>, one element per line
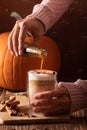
<point>5,118</point>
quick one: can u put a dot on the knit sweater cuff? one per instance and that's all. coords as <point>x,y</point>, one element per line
<point>42,14</point>
<point>78,98</point>
<point>48,12</point>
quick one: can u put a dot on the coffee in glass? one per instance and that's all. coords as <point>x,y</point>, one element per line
<point>40,80</point>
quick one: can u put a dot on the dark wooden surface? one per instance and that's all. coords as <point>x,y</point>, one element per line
<point>77,122</point>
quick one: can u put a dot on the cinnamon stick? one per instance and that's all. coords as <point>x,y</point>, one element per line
<point>8,102</point>
<point>11,99</point>
<point>2,107</point>
<point>17,108</point>
<point>13,104</point>
<point>10,111</point>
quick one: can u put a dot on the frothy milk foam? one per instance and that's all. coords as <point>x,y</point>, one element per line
<point>40,80</point>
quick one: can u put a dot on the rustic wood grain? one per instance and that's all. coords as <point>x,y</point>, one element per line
<point>75,124</point>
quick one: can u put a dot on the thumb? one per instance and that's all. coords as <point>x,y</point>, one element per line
<point>36,39</point>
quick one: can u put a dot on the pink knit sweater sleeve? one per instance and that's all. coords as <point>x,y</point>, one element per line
<point>49,11</point>
<point>78,94</point>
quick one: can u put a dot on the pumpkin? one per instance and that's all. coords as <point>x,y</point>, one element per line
<point>13,69</point>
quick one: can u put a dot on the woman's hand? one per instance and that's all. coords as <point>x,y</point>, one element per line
<point>17,36</point>
<point>52,102</point>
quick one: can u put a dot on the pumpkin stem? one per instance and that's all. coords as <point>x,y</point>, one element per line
<point>16,15</point>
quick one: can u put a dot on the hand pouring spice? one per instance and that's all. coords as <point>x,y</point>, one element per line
<point>31,50</point>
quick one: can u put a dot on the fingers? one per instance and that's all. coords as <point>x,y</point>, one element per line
<point>50,94</point>
<point>16,38</point>
<point>36,38</point>
<point>48,111</point>
<point>51,111</point>
<point>44,103</point>
<point>10,45</point>
<point>12,40</point>
<point>50,102</point>
<point>21,38</point>
<point>52,107</point>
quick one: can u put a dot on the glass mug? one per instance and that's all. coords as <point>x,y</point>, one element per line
<point>39,81</point>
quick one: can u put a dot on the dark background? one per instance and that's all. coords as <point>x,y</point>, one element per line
<point>70,33</point>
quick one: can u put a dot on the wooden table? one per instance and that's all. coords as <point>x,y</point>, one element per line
<point>78,121</point>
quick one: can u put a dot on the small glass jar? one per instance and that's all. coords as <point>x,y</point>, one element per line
<point>35,51</point>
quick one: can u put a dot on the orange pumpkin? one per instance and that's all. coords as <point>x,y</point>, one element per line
<point>13,70</point>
